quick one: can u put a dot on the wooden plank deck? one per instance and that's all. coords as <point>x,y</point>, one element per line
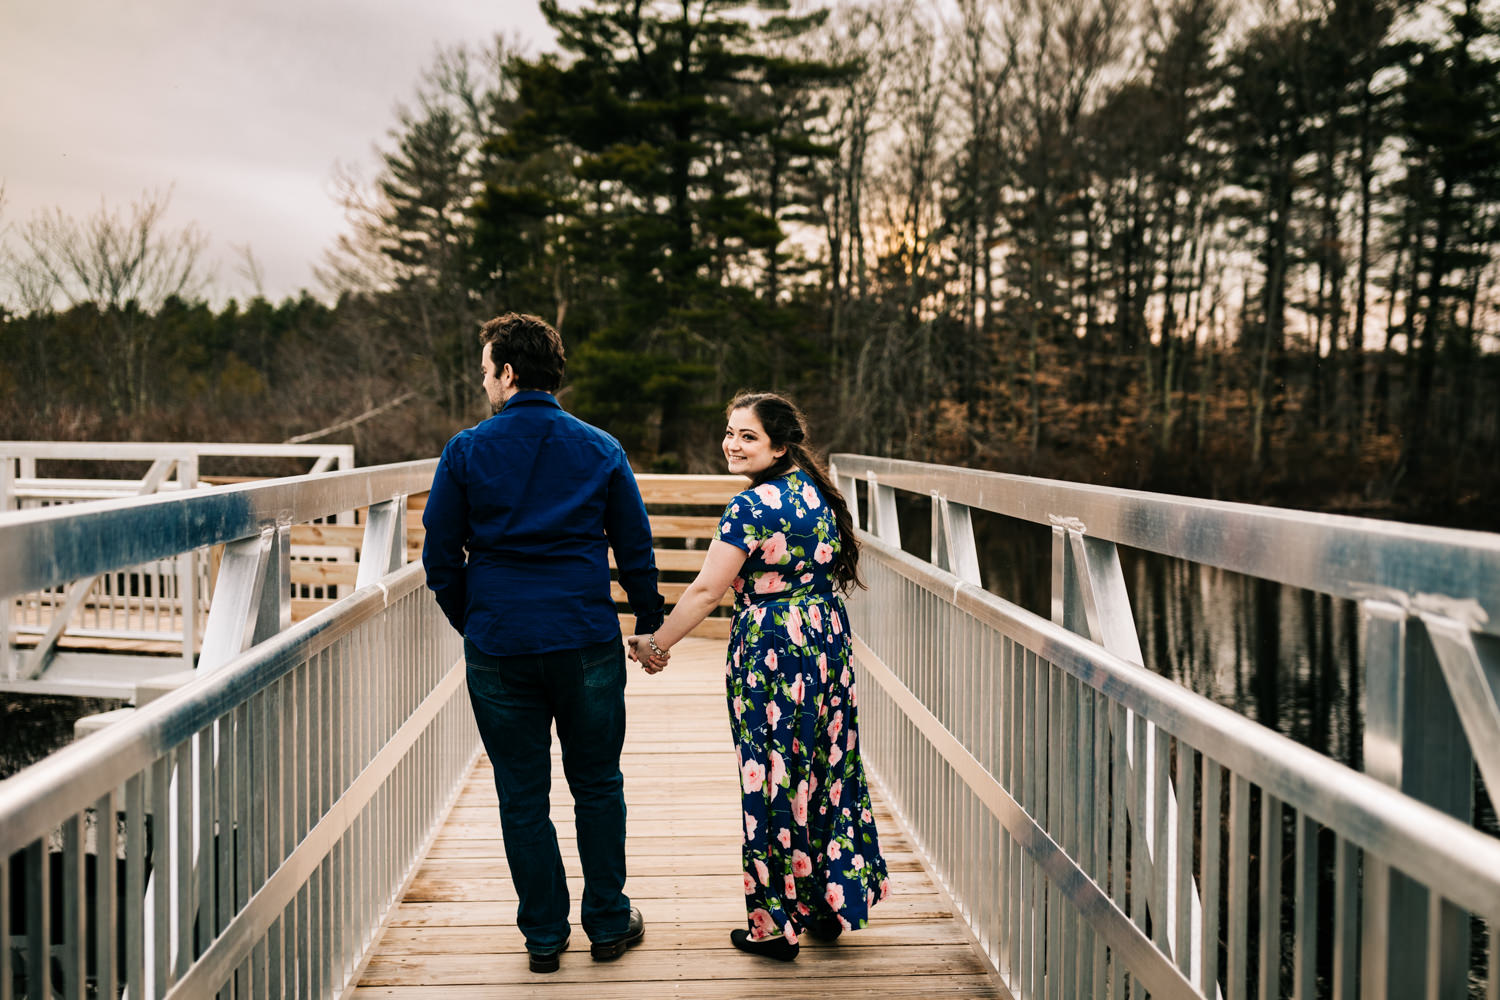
<point>454,933</point>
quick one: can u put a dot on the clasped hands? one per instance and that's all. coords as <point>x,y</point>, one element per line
<point>640,652</point>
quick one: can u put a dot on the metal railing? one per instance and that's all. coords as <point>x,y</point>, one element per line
<point>247,834</point>
<point>1107,833</point>
<point>162,601</point>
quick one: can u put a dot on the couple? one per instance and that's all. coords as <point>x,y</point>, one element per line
<point>522,509</point>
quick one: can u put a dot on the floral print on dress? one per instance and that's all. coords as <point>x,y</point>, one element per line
<point>810,852</point>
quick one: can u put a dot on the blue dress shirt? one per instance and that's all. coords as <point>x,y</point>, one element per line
<point>535,497</point>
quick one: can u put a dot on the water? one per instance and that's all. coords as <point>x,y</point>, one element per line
<point>38,724</point>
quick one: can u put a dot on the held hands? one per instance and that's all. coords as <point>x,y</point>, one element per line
<point>640,652</point>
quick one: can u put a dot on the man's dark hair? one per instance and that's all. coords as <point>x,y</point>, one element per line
<point>529,345</point>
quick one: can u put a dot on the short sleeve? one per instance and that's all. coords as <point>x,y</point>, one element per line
<point>741,524</point>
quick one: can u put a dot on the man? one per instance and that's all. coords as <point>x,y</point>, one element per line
<point>522,508</point>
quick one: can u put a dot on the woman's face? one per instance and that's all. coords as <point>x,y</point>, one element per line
<point>747,449</point>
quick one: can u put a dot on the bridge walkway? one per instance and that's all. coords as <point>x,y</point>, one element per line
<point>454,933</point>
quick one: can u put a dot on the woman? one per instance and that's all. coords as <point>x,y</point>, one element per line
<point>811,856</point>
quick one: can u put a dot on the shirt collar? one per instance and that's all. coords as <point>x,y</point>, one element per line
<point>531,397</point>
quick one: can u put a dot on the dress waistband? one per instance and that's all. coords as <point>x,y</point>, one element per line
<point>819,597</point>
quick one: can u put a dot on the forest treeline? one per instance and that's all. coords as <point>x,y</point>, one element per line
<point>1200,246</point>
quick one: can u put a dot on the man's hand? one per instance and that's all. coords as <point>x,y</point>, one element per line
<point>640,652</point>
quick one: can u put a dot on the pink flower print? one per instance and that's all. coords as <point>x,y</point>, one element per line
<point>749,884</point>
<point>769,583</point>
<point>834,850</point>
<point>790,932</point>
<point>835,701</point>
<point>844,678</point>
<point>801,864</point>
<point>805,578</point>
<point>837,628</point>
<point>823,666</point>
<point>865,817</point>
<point>802,909</point>
<point>835,755</point>
<point>798,690</point>
<point>738,585</point>
<point>785,836</point>
<point>751,544</point>
<point>750,680</point>
<point>774,551</point>
<point>799,567</point>
<point>778,766</point>
<point>789,888</point>
<point>815,615</point>
<point>739,707</point>
<point>849,742</point>
<point>834,896</point>
<point>834,728</point>
<point>796,747</point>
<point>769,495</point>
<point>885,888</point>
<point>749,827</point>
<point>836,790</point>
<point>762,873</point>
<point>823,554</point>
<point>759,614</point>
<point>752,776</point>
<point>810,497</point>
<point>794,627</point>
<point>858,861</point>
<point>799,805</point>
<point>761,924</point>
<point>772,660</point>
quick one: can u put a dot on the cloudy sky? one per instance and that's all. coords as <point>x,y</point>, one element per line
<point>242,109</point>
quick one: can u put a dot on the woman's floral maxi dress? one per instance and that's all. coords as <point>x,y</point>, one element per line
<point>810,848</point>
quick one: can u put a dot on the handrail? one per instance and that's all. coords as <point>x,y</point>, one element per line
<point>1451,571</point>
<point>52,545</point>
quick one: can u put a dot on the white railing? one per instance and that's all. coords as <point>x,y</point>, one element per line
<point>1108,833</point>
<point>161,602</point>
<point>247,834</point>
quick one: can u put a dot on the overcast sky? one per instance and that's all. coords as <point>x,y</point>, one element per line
<point>243,109</point>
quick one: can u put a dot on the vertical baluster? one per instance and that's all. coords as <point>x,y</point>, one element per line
<point>1182,945</point>
<point>38,920</point>
<point>182,859</point>
<point>244,835</point>
<point>135,885</point>
<point>161,874</point>
<point>1346,921</point>
<point>205,858</point>
<point>1270,897</point>
<point>1239,887</point>
<point>1162,863</point>
<point>1305,910</point>
<point>1102,811</point>
<point>74,953</point>
<point>106,907</point>
<point>7,890</point>
<point>1119,808</point>
<point>1209,879</point>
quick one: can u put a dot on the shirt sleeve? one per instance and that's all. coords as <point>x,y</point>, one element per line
<point>446,521</point>
<point>741,526</point>
<point>629,531</point>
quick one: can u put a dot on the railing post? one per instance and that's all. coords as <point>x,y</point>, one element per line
<point>883,513</point>
<point>953,547</point>
<point>252,597</point>
<point>187,570</point>
<point>1414,741</point>
<point>383,548</point>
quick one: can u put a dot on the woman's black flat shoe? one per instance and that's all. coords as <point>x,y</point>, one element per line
<point>826,930</point>
<point>776,947</point>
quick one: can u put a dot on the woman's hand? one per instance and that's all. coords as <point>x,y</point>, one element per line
<point>640,652</point>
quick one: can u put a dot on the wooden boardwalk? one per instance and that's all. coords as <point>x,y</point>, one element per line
<point>454,933</point>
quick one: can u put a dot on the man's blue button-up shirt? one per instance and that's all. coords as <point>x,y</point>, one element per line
<point>536,497</point>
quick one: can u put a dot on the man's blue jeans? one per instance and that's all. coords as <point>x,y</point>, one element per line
<point>516,699</point>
